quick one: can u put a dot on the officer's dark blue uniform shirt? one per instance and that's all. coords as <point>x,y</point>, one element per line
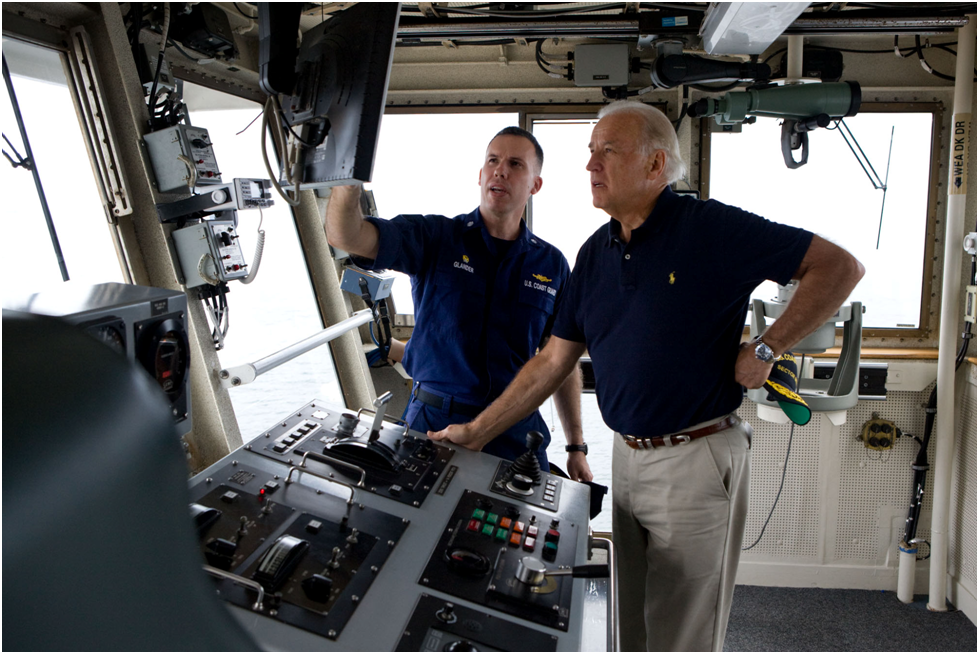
<point>662,316</point>
<point>480,313</point>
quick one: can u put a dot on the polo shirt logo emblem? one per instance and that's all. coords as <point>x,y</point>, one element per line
<point>465,258</point>
<point>463,266</point>
<point>540,278</point>
<point>672,278</point>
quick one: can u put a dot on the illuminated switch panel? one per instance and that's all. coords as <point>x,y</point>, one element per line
<point>483,544</point>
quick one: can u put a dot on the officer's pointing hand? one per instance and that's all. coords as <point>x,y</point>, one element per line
<point>458,434</point>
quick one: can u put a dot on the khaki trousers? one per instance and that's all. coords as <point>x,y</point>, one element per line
<point>678,517</point>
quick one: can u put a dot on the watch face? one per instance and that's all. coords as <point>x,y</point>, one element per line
<point>763,352</point>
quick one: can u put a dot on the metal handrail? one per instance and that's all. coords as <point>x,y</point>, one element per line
<point>241,581</point>
<point>613,609</point>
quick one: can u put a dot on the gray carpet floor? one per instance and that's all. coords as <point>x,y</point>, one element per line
<point>815,620</point>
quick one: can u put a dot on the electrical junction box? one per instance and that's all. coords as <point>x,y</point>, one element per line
<point>147,71</point>
<point>970,304</point>
<point>209,253</point>
<point>601,64</point>
<point>379,283</point>
<point>182,157</point>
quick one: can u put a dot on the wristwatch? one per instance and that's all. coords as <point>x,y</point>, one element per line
<point>583,448</point>
<point>763,352</point>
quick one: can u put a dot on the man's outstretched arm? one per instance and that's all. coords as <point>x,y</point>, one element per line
<point>567,400</point>
<point>535,382</point>
<point>345,225</point>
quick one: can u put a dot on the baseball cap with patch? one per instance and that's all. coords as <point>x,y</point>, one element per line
<point>781,386</point>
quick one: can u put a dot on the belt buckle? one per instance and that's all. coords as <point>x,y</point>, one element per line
<point>683,438</point>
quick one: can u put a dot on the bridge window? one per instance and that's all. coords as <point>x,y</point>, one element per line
<point>832,196</point>
<point>61,158</point>
<point>563,213</point>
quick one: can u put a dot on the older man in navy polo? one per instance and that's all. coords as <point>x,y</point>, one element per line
<point>486,291</point>
<point>659,297</point>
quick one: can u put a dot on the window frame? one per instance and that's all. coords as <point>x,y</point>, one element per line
<point>928,276</point>
<point>56,40</point>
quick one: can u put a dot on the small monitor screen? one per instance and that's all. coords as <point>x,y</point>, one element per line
<point>342,72</point>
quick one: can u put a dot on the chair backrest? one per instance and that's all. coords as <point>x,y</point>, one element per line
<point>99,552</point>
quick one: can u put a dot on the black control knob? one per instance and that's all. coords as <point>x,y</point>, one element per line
<point>522,482</point>
<point>317,588</point>
<point>520,485</point>
<point>447,613</point>
<point>534,440</point>
<point>468,563</point>
<point>460,646</point>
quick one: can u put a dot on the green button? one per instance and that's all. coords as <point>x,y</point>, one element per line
<point>492,518</point>
<point>501,534</point>
<point>479,514</point>
<point>488,529</point>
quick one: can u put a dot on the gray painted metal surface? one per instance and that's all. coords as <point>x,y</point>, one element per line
<point>379,621</point>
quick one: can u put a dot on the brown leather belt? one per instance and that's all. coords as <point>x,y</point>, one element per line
<point>682,437</point>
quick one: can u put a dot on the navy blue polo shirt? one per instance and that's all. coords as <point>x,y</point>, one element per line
<point>662,316</point>
<point>480,313</point>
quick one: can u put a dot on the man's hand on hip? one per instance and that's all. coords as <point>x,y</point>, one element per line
<point>749,370</point>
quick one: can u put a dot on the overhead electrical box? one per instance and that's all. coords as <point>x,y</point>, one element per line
<point>601,64</point>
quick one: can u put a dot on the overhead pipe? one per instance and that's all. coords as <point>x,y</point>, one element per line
<point>632,26</point>
<point>951,313</point>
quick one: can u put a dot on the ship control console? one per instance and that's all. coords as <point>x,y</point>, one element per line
<point>342,530</point>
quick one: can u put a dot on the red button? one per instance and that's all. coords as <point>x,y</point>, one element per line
<point>473,525</point>
<point>529,543</point>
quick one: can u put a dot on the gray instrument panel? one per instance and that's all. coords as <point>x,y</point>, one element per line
<point>381,617</point>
